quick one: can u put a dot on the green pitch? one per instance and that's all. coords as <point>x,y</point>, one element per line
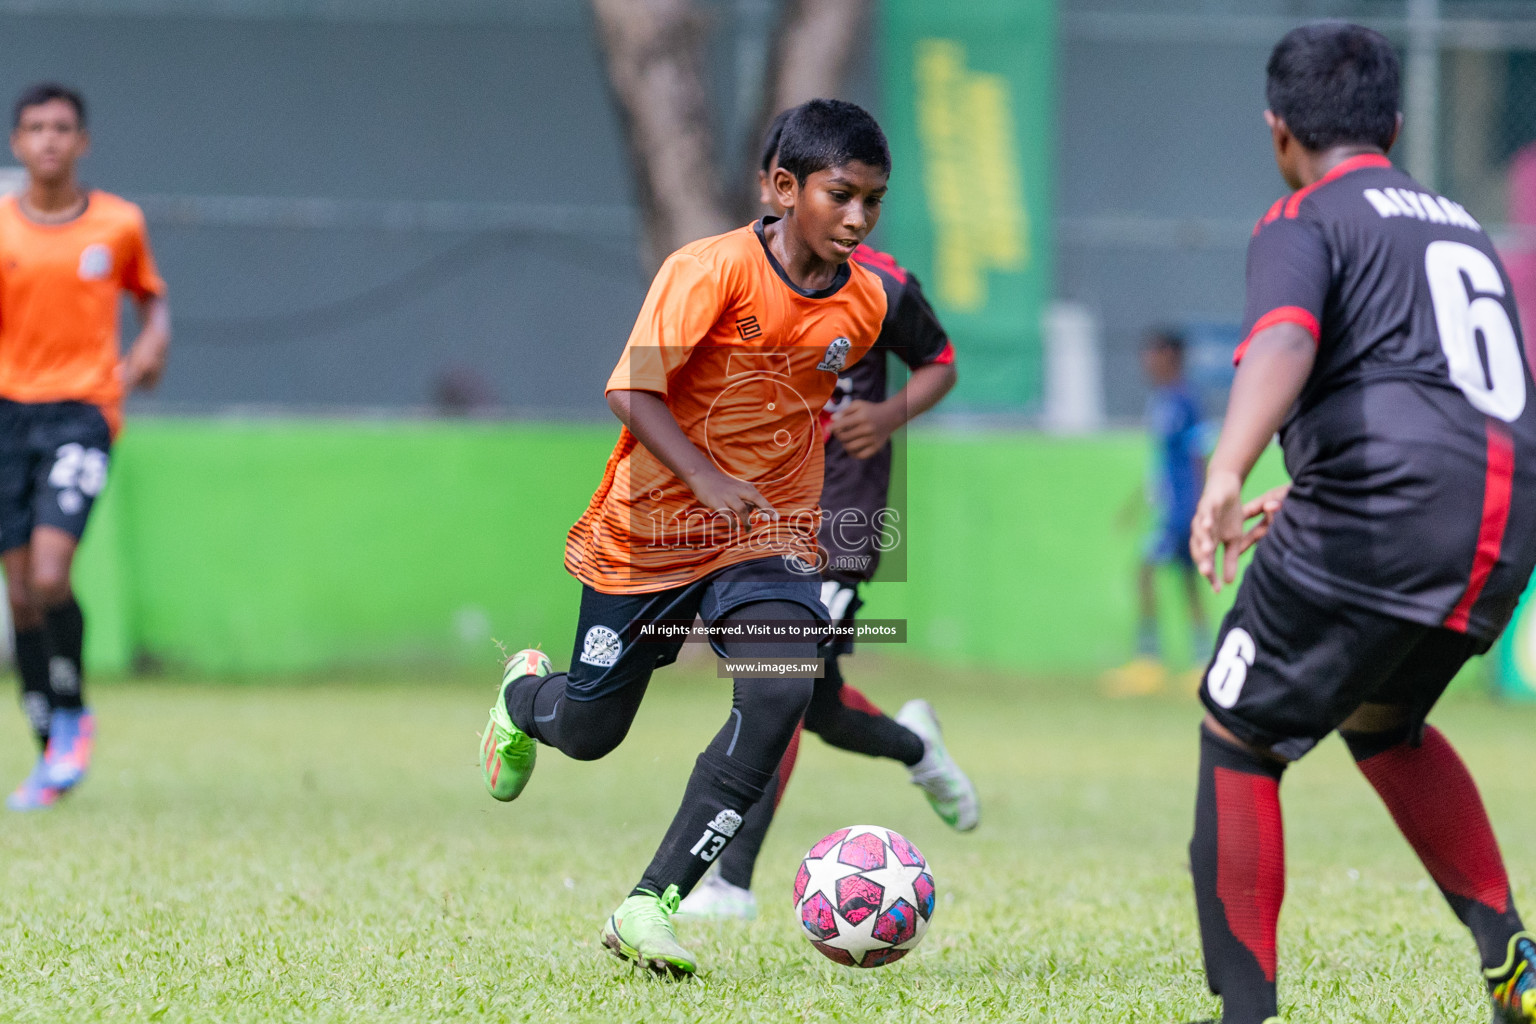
<point>327,853</point>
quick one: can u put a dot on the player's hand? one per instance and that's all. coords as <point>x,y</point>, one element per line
<point>863,427</point>
<point>143,367</point>
<point>1216,533</point>
<point>1266,506</point>
<point>736,498</point>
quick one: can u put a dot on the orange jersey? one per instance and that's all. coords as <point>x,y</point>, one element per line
<point>744,360</point>
<point>60,286</point>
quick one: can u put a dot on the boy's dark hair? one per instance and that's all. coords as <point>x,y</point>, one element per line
<point>771,139</point>
<point>819,134</point>
<point>46,92</point>
<point>1334,83</point>
<point>1169,339</point>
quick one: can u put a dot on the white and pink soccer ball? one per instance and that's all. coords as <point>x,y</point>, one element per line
<point>864,896</point>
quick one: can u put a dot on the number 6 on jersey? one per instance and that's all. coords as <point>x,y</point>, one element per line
<point>1460,316</point>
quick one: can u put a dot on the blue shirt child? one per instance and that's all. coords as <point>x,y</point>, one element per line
<point>1175,425</point>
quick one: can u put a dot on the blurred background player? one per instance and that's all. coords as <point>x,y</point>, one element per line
<point>738,334</point>
<point>1177,473</point>
<point>1383,343</point>
<point>67,254</point>
<point>857,425</point>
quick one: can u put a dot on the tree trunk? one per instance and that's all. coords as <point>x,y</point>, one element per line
<point>814,45</point>
<point>654,51</point>
<point>655,58</point>
<point>816,41</point>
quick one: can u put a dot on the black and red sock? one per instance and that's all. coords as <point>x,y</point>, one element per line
<point>848,720</point>
<point>1436,805</point>
<point>1237,857</point>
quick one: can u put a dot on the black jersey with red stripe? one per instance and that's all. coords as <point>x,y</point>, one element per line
<point>855,492</point>
<point>1413,444</point>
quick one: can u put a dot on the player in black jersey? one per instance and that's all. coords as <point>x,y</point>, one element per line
<point>1383,345</point>
<point>857,424</point>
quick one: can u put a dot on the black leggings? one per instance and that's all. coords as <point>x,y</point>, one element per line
<point>589,729</point>
<point>732,773</point>
<point>582,729</point>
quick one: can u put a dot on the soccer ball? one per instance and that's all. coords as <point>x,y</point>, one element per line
<point>864,896</point>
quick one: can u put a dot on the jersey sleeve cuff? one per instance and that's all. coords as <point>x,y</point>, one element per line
<point>1283,315</point>
<point>946,356</point>
<point>636,385</point>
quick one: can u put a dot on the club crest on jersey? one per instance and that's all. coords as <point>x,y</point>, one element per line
<point>95,262</point>
<point>836,357</point>
<point>601,647</point>
<point>726,822</point>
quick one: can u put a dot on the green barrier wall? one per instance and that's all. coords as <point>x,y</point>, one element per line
<point>234,547</point>
<point>240,548</point>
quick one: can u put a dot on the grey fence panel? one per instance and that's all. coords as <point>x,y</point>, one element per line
<point>1165,162</point>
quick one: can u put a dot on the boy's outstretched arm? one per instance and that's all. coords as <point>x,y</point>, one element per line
<point>1269,379</point>
<point>864,427</point>
<point>145,362</point>
<point>653,424</point>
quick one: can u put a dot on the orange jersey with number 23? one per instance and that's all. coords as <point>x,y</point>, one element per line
<point>60,286</point>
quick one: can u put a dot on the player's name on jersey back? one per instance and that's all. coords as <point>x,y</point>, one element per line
<point>1405,202</point>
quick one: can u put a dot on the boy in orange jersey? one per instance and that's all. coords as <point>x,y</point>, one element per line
<point>67,253</point>
<point>855,499</point>
<point>709,507</point>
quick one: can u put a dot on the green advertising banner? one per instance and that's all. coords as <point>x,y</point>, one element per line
<point>968,109</point>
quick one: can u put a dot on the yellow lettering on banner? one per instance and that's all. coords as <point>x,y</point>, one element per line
<point>971,173</point>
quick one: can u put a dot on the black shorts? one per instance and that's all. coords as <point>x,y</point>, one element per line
<point>1292,664</point>
<point>605,660</point>
<point>843,602</point>
<point>53,464</point>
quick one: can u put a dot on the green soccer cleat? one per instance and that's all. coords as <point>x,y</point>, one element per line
<point>949,791</point>
<point>1513,986</point>
<point>641,931</point>
<point>507,753</point>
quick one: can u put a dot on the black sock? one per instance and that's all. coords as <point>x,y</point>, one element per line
<point>845,718</point>
<point>32,652</point>
<point>1237,858</point>
<point>731,776</point>
<point>740,857</point>
<point>720,791</point>
<point>739,764</point>
<point>66,631</point>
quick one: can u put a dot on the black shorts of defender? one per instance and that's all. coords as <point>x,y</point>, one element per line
<point>606,658</point>
<point>53,465</point>
<point>1292,664</point>
<point>843,603</point>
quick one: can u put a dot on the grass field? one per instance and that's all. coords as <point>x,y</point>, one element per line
<point>324,852</point>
